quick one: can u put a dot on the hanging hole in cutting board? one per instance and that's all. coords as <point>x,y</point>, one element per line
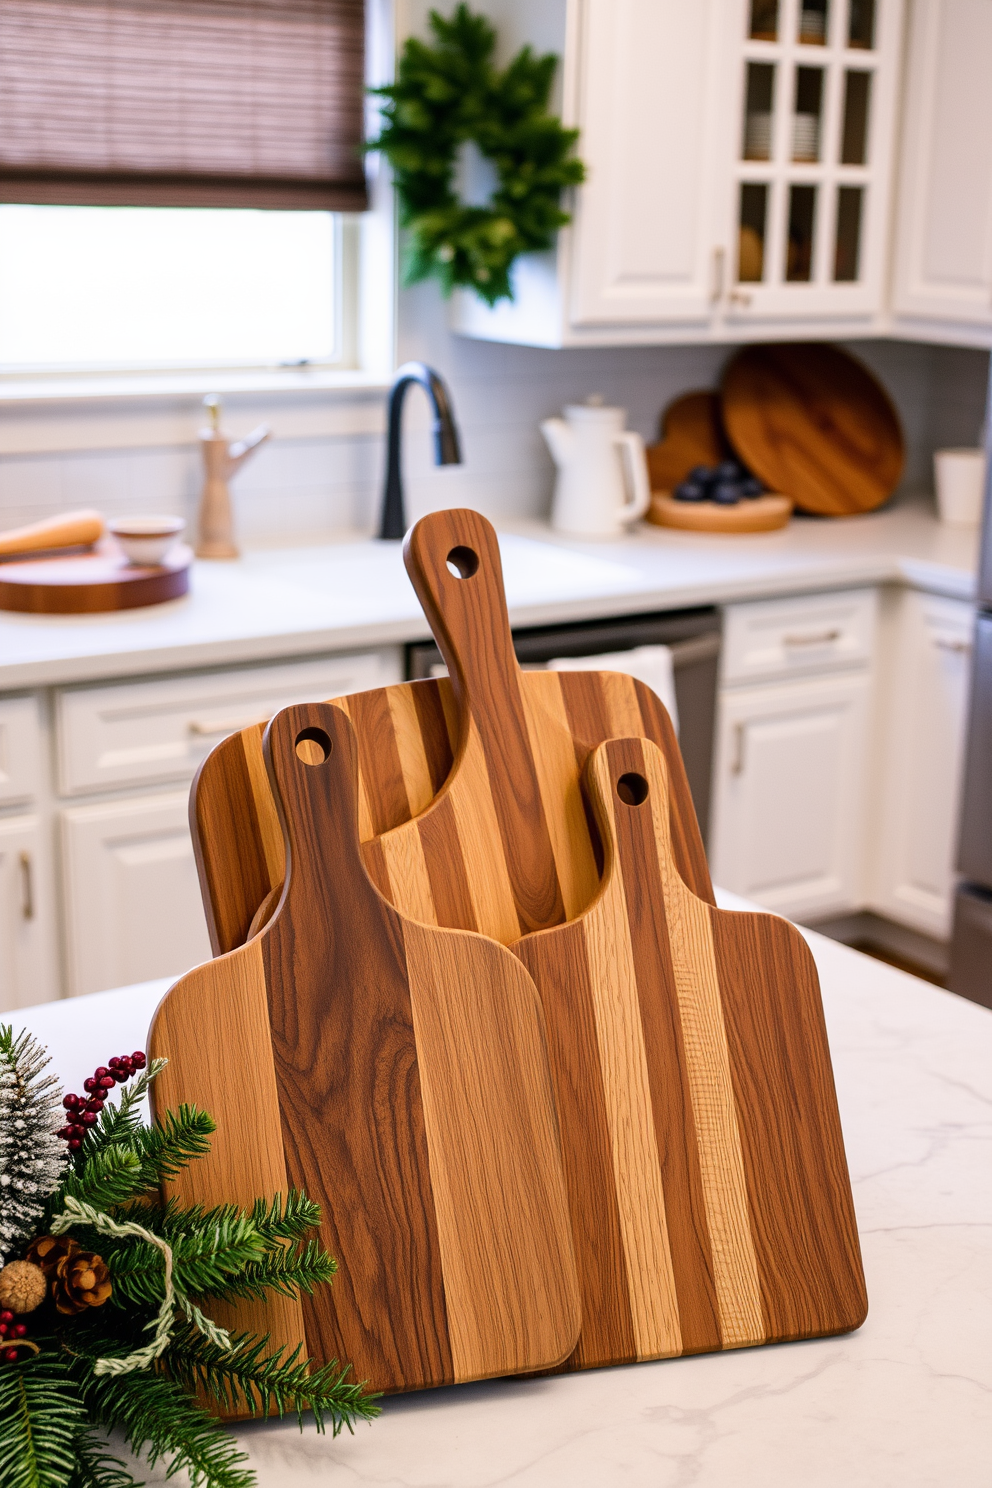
<point>463,562</point>
<point>313,746</point>
<point>632,789</point>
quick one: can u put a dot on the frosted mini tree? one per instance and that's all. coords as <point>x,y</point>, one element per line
<point>32,1157</point>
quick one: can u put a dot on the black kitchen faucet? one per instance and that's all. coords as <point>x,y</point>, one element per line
<point>447,450</point>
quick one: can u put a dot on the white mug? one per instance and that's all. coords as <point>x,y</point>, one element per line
<point>602,484</point>
<point>959,475</point>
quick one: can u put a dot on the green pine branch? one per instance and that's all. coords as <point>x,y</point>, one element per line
<point>95,1467</point>
<point>249,1378</point>
<point>42,1413</point>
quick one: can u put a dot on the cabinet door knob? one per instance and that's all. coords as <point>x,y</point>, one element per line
<point>27,887</point>
<point>737,762</point>
<point>958,648</point>
<point>716,289</point>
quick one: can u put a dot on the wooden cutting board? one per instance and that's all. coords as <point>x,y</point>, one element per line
<point>90,583</point>
<point>710,1199</point>
<point>757,514</point>
<point>470,806</point>
<point>398,1074</point>
<point>813,423</point>
<point>691,434</point>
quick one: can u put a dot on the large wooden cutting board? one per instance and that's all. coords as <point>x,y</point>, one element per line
<point>470,807</point>
<point>710,1199</point>
<point>814,424</point>
<point>398,1074</point>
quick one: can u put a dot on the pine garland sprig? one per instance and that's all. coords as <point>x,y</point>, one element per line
<point>42,1412</point>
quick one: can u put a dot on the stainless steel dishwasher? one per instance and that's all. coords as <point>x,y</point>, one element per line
<point>694,639</point>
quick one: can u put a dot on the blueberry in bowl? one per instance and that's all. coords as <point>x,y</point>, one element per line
<point>726,493</point>
<point>690,490</point>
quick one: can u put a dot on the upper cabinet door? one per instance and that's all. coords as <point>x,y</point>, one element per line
<point>811,143</point>
<point>647,100</point>
<point>944,241</point>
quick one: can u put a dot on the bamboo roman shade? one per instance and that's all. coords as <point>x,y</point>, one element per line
<point>227,103</point>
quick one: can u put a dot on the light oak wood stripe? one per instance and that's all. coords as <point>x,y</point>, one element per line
<point>409,879</point>
<point>553,750</point>
<point>188,1029</point>
<point>623,709</point>
<point>476,821</point>
<point>410,744</point>
<point>269,829</point>
<point>636,1163</point>
<point>499,1194</point>
<point>735,1265</point>
<point>366,824</point>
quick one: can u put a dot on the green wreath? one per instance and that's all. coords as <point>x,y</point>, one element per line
<point>450,93</point>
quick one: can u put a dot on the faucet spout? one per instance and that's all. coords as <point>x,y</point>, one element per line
<point>447,449</point>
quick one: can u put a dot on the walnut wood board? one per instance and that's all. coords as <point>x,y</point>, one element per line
<point>90,583</point>
<point>708,1186</point>
<point>761,514</point>
<point>813,423</point>
<point>691,434</point>
<point>398,1074</point>
<point>470,811</point>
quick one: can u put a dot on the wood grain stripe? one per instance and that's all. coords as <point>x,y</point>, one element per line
<point>266,815</point>
<point>445,860</point>
<point>379,764</point>
<point>477,821</point>
<point>557,769</point>
<point>428,699</point>
<point>636,1161</point>
<point>500,1202</point>
<point>409,880</point>
<point>735,1264</point>
<point>687,845</point>
<point>418,783</point>
<point>189,1026</point>
<point>622,707</point>
<point>366,827</point>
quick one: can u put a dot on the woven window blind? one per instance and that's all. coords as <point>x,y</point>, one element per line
<point>222,103</point>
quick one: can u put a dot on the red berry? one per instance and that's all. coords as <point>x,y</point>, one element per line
<point>89,1085</point>
<point>70,1101</point>
<point>3,1330</point>
<point>138,1059</point>
<point>6,1317</point>
<point>88,1118</point>
<point>10,1355</point>
<point>100,1071</point>
<point>74,1144</point>
<point>20,1330</point>
<point>94,1105</point>
<point>106,1082</point>
<point>115,1061</point>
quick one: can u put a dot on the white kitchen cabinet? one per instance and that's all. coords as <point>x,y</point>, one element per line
<point>739,157</point>
<point>943,241</point>
<point>133,909</point>
<point>790,794</point>
<point>920,762</point>
<point>28,929</point>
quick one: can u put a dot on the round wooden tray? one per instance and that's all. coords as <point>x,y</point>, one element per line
<point>88,583</point>
<point>762,514</point>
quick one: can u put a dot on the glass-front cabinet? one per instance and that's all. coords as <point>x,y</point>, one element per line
<point>812,157</point>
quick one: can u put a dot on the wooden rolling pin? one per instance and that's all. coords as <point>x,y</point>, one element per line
<point>76,529</point>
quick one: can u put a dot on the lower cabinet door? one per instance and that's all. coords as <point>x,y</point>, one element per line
<point>791,770</point>
<point>28,959</point>
<point>132,900</point>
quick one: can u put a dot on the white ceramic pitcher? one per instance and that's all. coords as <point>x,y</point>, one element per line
<point>602,483</point>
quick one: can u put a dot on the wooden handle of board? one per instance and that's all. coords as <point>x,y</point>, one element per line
<point>453,561</point>
<point>73,530</point>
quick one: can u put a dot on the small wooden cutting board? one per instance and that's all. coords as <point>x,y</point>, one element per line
<point>470,806</point>
<point>710,1200</point>
<point>397,1073</point>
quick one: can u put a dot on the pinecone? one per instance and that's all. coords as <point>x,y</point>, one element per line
<point>78,1278</point>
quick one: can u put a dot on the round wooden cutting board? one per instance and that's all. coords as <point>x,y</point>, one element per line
<point>88,583</point>
<point>812,422</point>
<point>762,514</point>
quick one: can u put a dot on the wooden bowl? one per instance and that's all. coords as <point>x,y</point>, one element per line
<point>761,514</point>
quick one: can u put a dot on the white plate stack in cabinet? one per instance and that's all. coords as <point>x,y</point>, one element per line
<point>917,791</point>
<point>792,758</point>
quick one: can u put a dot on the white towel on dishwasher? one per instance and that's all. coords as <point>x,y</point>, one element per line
<point>649,664</point>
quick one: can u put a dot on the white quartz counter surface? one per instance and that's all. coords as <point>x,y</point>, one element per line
<point>906,1402</point>
<point>355,594</point>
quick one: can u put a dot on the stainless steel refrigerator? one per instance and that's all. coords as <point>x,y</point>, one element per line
<point>971,941</point>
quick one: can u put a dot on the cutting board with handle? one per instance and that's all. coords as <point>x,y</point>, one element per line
<point>708,1186</point>
<point>398,1074</point>
<point>470,807</point>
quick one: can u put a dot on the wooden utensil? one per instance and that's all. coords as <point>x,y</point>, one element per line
<point>501,841</point>
<point>89,583</point>
<point>396,1072</point>
<point>691,434</point>
<point>813,423</point>
<point>710,1200</point>
<point>76,529</point>
<point>760,514</point>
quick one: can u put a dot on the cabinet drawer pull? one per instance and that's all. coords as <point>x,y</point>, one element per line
<point>212,728</point>
<point>740,297</point>
<point>816,638</point>
<point>957,648</point>
<point>716,289</point>
<point>737,763</point>
<point>27,887</point>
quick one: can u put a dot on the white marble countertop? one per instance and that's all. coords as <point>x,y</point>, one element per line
<point>354,594</point>
<point>906,1402</point>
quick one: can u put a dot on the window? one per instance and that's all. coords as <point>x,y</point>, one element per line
<point>169,287</point>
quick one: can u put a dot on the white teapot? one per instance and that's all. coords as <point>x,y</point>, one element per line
<point>602,483</point>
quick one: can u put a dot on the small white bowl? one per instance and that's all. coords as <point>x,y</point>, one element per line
<point>145,540</point>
